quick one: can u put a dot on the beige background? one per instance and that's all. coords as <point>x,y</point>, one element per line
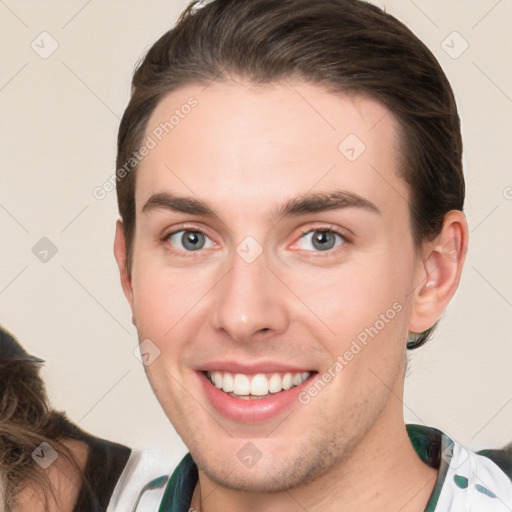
<point>59,119</point>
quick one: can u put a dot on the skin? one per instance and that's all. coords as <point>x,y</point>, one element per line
<point>246,150</point>
<point>64,480</point>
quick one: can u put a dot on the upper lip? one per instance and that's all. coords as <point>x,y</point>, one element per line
<point>251,368</point>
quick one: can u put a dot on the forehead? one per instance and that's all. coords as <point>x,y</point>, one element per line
<point>238,142</point>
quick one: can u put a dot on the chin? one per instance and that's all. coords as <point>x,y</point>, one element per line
<point>276,473</point>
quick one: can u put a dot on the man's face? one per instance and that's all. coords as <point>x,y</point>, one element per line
<point>253,289</point>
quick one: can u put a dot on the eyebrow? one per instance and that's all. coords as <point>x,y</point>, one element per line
<point>308,203</point>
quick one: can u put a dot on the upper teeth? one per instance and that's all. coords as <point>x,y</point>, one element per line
<point>260,384</point>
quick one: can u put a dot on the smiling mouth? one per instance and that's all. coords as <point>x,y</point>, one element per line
<point>257,386</point>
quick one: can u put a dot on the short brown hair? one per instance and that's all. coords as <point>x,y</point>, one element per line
<point>350,46</point>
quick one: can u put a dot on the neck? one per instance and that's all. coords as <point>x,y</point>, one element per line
<point>382,473</point>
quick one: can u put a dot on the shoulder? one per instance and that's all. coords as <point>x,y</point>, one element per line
<point>143,480</point>
<point>502,457</point>
<point>467,480</point>
<point>474,480</point>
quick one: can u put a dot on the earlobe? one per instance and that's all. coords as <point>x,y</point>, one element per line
<point>439,272</point>
<point>121,259</point>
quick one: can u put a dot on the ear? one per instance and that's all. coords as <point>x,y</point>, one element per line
<point>120,255</point>
<point>438,272</point>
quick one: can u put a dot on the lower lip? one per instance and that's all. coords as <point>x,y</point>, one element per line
<point>253,410</point>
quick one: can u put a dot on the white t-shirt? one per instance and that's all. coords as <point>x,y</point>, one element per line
<point>142,483</point>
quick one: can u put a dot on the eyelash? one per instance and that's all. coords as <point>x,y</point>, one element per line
<point>321,229</point>
<point>325,229</point>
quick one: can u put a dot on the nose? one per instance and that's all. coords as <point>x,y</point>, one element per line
<point>250,301</point>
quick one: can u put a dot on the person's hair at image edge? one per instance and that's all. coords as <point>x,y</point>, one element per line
<point>348,46</point>
<point>26,421</point>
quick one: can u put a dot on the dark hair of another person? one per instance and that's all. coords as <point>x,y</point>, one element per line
<point>347,46</point>
<point>27,420</point>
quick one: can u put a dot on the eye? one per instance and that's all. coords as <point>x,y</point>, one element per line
<point>321,240</point>
<point>189,240</point>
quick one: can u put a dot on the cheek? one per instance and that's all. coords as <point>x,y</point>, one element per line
<point>162,297</point>
<point>351,297</point>
<point>170,389</point>
<point>365,308</point>
<point>151,306</point>
<point>170,307</point>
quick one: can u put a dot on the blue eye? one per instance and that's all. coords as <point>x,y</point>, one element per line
<point>188,240</point>
<point>322,240</point>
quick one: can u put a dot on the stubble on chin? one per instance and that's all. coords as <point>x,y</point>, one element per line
<point>273,473</point>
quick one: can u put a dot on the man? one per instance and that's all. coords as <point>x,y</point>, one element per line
<point>291,191</point>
